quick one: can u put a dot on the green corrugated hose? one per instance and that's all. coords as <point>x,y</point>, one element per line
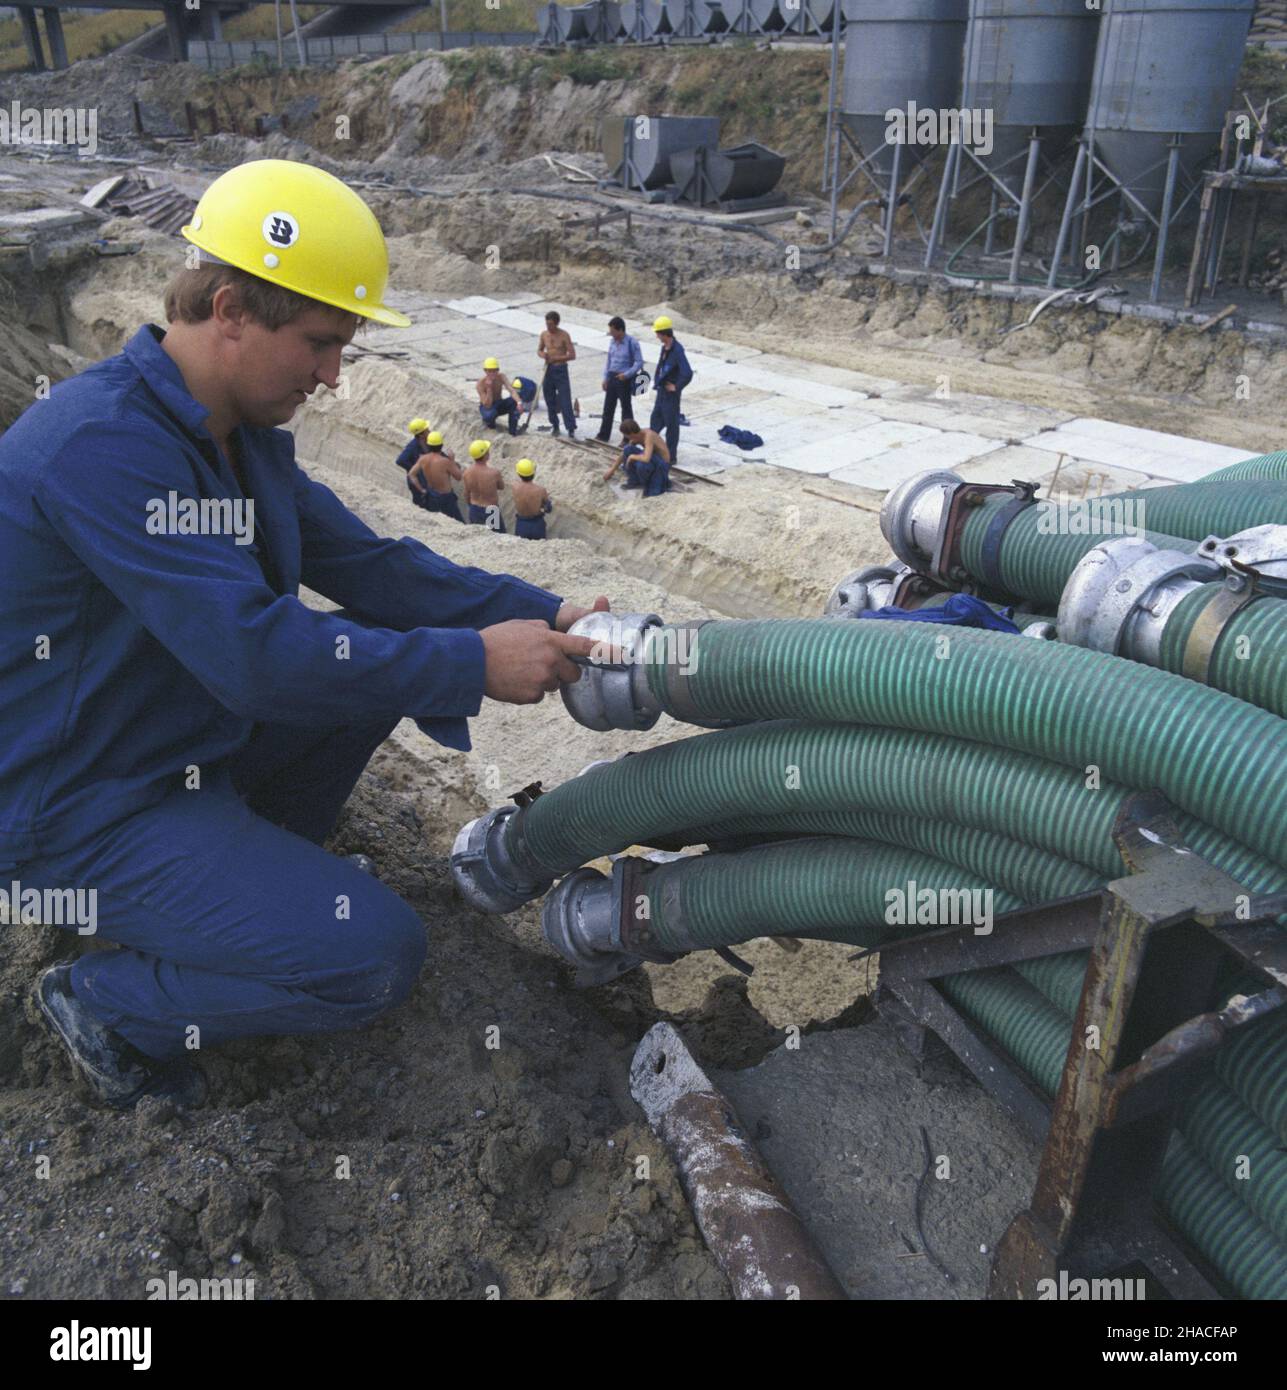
<point>1209,753</point>
<point>1250,658</point>
<point>1272,466</point>
<point>1035,564</point>
<point>822,889</point>
<point>1198,510</point>
<point>793,770</point>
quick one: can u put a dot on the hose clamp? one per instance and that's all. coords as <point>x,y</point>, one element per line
<point>1259,551</point>
<point>1204,637</point>
<point>1024,495</point>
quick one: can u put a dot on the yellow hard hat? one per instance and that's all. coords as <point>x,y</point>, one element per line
<point>434,438</point>
<point>417,425</point>
<point>663,323</point>
<point>517,384</point>
<point>490,365</point>
<point>298,227</point>
<point>479,449</point>
<point>525,468</point>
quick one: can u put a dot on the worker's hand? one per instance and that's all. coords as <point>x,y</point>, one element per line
<point>525,659</point>
<point>670,386</point>
<point>568,614</point>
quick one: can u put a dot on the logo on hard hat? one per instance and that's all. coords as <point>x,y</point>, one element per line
<point>280,229</point>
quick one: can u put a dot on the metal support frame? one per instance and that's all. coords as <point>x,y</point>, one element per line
<point>31,38</point>
<point>1082,204</point>
<point>950,187</point>
<point>1143,1032</point>
<point>891,193</point>
<point>57,40</point>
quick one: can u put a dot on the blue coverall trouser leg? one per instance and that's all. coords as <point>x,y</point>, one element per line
<point>654,476</point>
<point>531,528</point>
<point>558,396</point>
<point>506,407</point>
<point>665,417</point>
<point>229,915</point>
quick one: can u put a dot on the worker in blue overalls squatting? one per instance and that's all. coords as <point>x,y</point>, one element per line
<point>672,375</point>
<point>181,731</point>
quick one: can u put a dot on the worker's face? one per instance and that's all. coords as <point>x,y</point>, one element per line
<point>278,369</point>
<point>617,334</point>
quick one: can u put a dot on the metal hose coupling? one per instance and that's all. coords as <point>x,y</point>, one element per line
<point>613,695</point>
<point>1122,594</point>
<point>485,872</point>
<point>913,516</point>
<point>589,920</point>
<point>894,585</point>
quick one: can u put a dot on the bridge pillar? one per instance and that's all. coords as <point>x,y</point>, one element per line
<point>176,31</point>
<point>54,33</point>
<point>31,37</point>
<point>211,25</point>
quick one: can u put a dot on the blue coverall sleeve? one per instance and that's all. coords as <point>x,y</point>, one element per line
<point>263,656</point>
<point>684,373</point>
<point>402,584</point>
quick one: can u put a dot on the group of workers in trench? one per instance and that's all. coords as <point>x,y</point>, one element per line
<point>646,454</point>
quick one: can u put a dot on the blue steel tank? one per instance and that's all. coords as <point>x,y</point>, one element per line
<point>1163,67</point>
<point>1030,63</point>
<point>896,52</point>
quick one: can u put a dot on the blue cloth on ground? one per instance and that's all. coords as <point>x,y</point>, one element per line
<point>744,439</point>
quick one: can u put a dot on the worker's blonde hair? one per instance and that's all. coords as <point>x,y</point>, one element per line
<point>189,298</point>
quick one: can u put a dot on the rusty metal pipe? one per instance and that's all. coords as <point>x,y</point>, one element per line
<point>742,1212</point>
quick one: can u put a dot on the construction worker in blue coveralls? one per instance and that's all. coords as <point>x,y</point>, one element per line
<point>181,732</point>
<point>531,503</point>
<point>410,455</point>
<point>525,389</point>
<point>672,375</point>
<point>430,478</point>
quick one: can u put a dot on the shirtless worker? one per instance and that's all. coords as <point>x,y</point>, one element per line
<point>556,349</point>
<point>495,398</point>
<point>482,487</point>
<point>531,503</point>
<point>430,478</point>
<point>645,458</point>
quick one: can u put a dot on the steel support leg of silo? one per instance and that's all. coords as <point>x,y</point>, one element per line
<point>1164,220</point>
<point>54,33</point>
<point>1025,206</point>
<point>31,37</point>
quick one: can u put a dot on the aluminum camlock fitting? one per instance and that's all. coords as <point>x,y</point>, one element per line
<point>488,879</point>
<point>616,695</point>
<point>912,515</point>
<point>1122,593</point>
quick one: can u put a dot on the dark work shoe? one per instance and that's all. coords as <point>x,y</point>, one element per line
<point>115,1071</point>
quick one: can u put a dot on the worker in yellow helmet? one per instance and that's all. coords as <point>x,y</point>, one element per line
<point>190,739</point>
<point>483,486</point>
<point>411,452</point>
<point>531,503</point>
<point>672,375</point>
<point>495,398</point>
<point>525,389</point>
<point>431,477</point>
